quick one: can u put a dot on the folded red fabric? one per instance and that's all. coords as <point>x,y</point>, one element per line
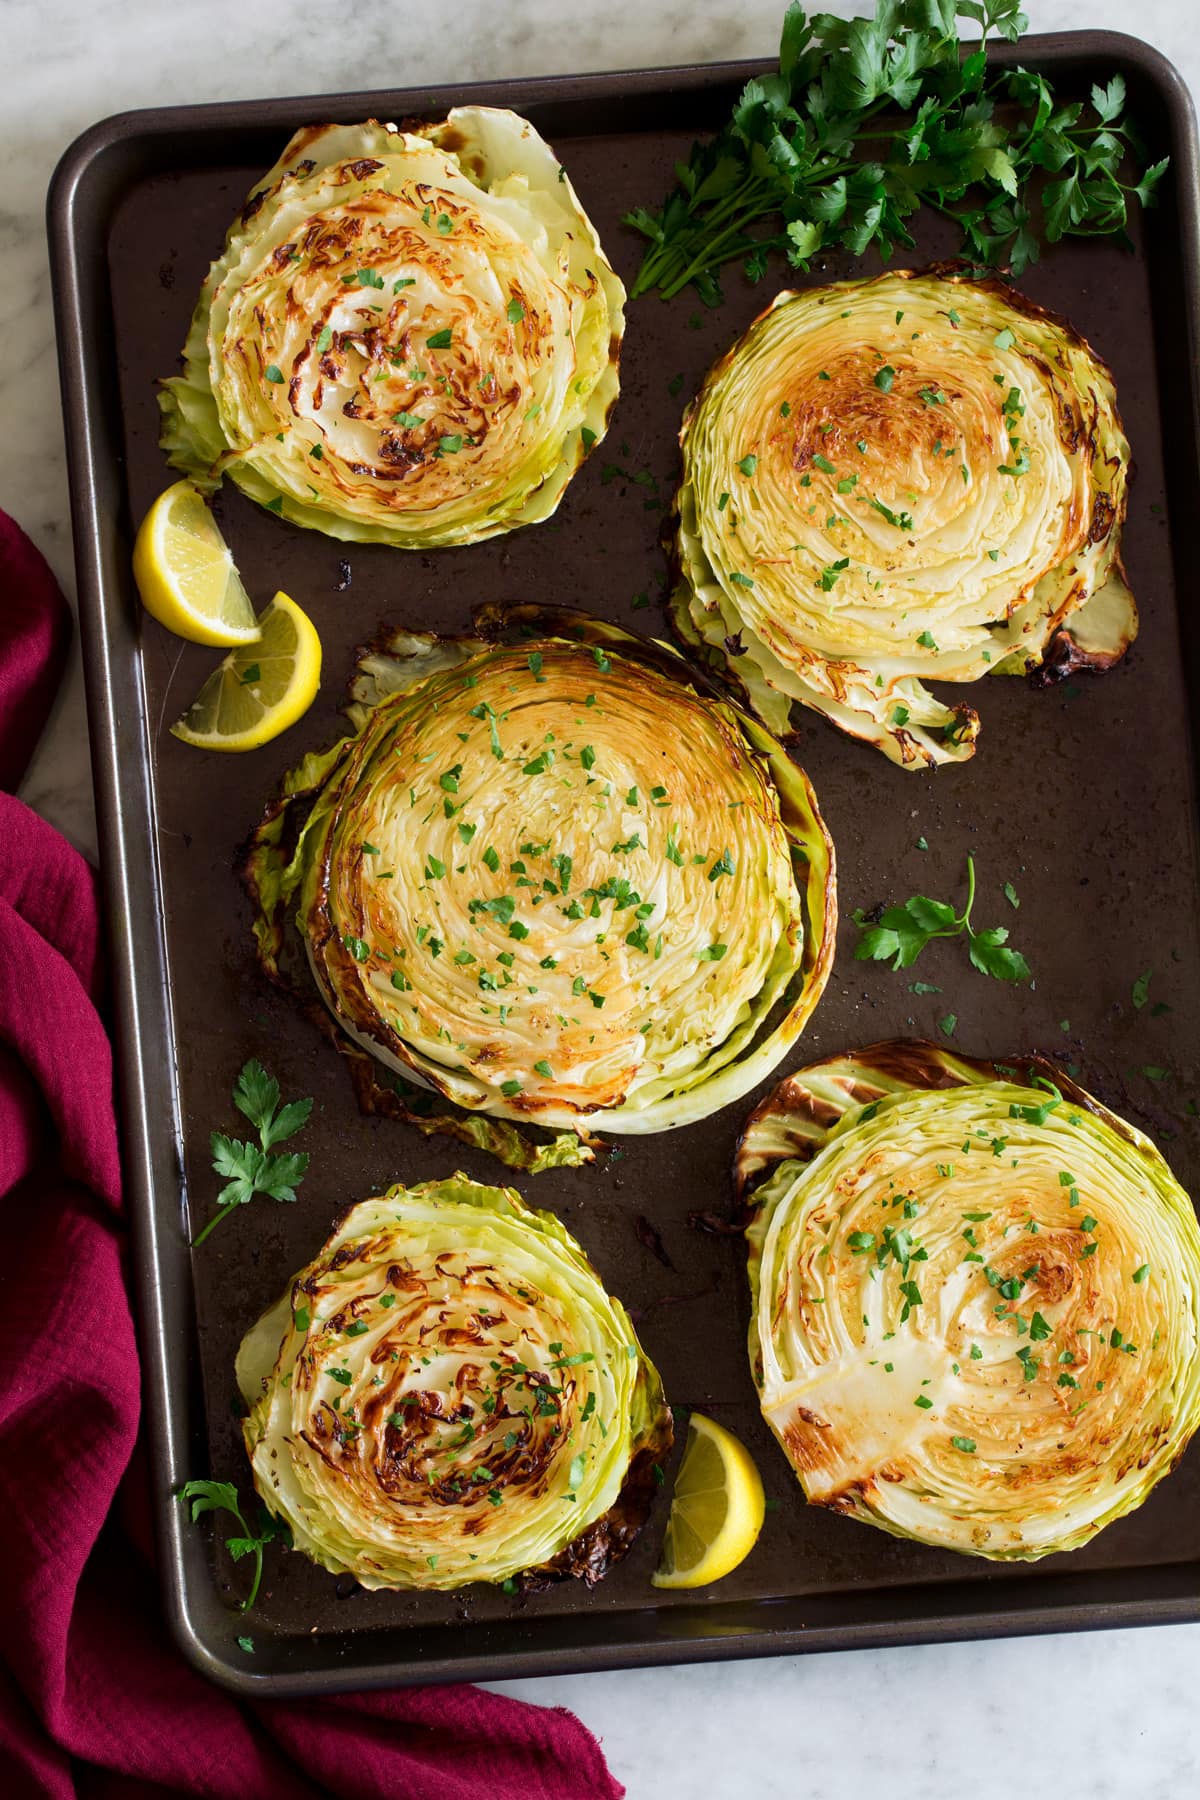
<point>94,1700</point>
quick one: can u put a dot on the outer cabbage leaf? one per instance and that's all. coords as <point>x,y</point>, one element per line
<point>975,1297</point>
<point>918,477</point>
<point>410,338</point>
<point>553,881</point>
<point>446,1394</point>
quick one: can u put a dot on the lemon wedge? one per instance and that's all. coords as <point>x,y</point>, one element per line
<point>185,574</point>
<point>716,1510</point>
<point>260,688</point>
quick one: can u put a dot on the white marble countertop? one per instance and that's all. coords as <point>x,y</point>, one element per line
<point>1105,1714</point>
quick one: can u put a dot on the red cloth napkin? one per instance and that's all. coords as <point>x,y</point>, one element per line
<point>94,1700</point>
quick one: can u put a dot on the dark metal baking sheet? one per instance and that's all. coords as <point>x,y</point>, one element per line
<point>1083,797</point>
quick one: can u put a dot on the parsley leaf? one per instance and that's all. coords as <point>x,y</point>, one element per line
<point>902,932</point>
<point>991,955</point>
<point>256,1094</point>
<point>221,1496</point>
<point>250,1168</point>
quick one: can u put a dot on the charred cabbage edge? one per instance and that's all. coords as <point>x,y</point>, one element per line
<point>667,889</point>
<point>367,1384</point>
<point>901,1387</point>
<point>411,337</point>
<point>937,493</point>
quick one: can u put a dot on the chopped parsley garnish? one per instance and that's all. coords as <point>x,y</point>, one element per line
<point>903,521</point>
<point>828,576</point>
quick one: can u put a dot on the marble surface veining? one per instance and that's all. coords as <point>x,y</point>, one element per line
<point>1109,1714</point>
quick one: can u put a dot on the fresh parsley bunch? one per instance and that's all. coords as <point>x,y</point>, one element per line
<point>819,151</point>
<point>902,932</point>
<point>257,1168</point>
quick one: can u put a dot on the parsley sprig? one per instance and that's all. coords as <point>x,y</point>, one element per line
<point>902,932</point>
<point>221,1496</point>
<point>256,1168</point>
<point>808,150</point>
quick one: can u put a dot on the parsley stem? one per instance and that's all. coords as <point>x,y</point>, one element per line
<point>211,1226</point>
<point>748,203</point>
<point>252,1596</point>
<point>966,917</point>
<point>256,1546</point>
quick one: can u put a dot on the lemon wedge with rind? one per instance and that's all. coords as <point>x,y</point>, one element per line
<point>260,688</point>
<point>717,1509</point>
<point>185,574</point>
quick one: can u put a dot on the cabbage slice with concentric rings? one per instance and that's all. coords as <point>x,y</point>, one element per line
<point>915,478</point>
<point>554,882</point>
<point>447,1394</point>
<point>410,338</point>
<point>976,1299</point>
